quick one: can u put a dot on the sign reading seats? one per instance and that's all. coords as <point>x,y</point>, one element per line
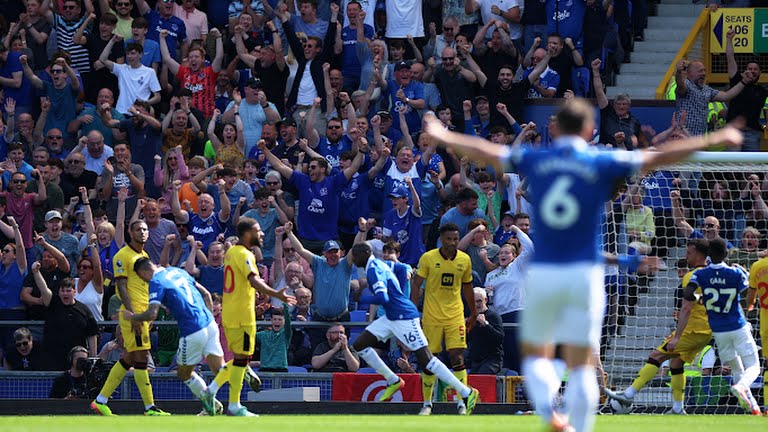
<point>750,25</point>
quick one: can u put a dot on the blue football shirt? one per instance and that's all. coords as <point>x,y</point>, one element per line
<point>176,289</point>
<point>382,278</point>
<point>721,286</point>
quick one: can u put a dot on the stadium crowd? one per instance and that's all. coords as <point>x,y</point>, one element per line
<point>308,114</point>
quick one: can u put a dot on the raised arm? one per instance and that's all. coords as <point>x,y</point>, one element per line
<point>21,253</point>
<point>273,160</point>
<point>33,79</point>
<point>733,67</point>
<point>307,255</point>
<point>122,195</point>
<point>173,65</point>
<point>577,59</point>
<point>729,136</point>
<point>45,293</point>
<point>680,78</point>
<point>79,37</point>
<point>678,214</point>
<point>219,58</point>
<point>478,149</point>
<point>190,263</point>
<point>181,215</point>
<point>597,82</point>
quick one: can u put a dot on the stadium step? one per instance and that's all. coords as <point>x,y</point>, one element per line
<point>658,46</point>
<point>642,68</point>
<point>636,92</point>
<point>664,34</point>
<point>636,80</point>
<point>689,9</point>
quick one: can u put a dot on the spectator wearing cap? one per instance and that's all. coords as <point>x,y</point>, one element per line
<point>288,147</point>
<point>268,63</point>
<point>403,92</point>
<point>504,231</point>
<point>56,237</point>
<point>163,19</point>
<point>447,39</point>
<point>333,278</point>
<point>402,224</point>
<point>546,86</point>
<point>20,204</point>
<point>309,82</point>
<point>479,124</point>
<point>319,196</point>
<point>354,33</point>
<point>254,111</point>
<point>618,127</point>
<point>195,20</point>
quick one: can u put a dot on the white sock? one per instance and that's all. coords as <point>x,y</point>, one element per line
<point>630,392</point>
<point>213,388</point>
<point>541,384</point>
<point>751,370</point>
<point>147,407</point>
<point>234,407</point>
<point>581,397</point>
<point>102,399</point>
<point>196,385</point>
<point>374,361</point>
<point>677,406</point>
<point>445,375</point>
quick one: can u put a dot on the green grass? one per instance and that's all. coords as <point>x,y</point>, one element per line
<point>344,423</point>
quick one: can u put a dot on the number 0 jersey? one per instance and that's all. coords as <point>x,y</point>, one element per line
<point>721,286</point>
<point>176,289</point>
<point>569,184</point>
<point>239,299</point>
<point>443,280</point>
<point>758,279</point>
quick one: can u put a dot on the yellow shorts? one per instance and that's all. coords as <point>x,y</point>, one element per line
<point>454,335</point>
<point>241,340</point>
<point>135,341</point>
<point>687,347</point>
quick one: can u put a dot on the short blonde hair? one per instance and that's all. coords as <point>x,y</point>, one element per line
<point>108,227</point>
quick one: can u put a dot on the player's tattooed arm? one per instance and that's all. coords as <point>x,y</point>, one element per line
<point>122,289</point>
<point>206,296</point>
<point>148,315</point>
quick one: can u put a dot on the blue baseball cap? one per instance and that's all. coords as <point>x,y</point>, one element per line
<point>399,192</point>
<point>330,245</point>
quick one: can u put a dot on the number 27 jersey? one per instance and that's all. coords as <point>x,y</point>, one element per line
<point>568,185</point>
<point>720,288</point>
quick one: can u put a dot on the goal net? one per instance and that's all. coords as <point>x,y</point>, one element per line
<point>723,193</point>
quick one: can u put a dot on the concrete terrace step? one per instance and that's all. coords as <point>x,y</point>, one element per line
<point>686,10</point>
<point>667,22</point>
<point>643,92</point>
<point>653,57</point>
<point>665,34</point>
<point>643,68</point>
<point>658,46</point>
<point>625,80</point>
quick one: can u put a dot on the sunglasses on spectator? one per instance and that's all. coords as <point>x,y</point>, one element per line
<point>57,71</point>
<point>55,137</point>
<point>85,266</point>
<point>448,29</point>
<point>123,4</point>
<point>447,59</point>
<point>22,344</point>
<point>76,161</point>
<point>334,127</point>
<point>710,225</point>
<point>19,181</point>
<point>70,7</point>
<point>273,183</point>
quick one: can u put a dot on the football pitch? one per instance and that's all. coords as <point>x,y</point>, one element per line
<point>369,423</point>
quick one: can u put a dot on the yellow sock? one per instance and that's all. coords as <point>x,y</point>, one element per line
<point>236,375</point>
<point>462,376</point>
<point>223,375</point>
<point>114,379</point>
<point>765,390</point>
<point>427,386</point>
<point>678,387</point>
<point>647,372</point>
<point>141,376</point>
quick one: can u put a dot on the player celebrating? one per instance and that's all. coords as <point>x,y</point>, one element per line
<point>190,303</point>
<point>401,320</point>
<point>720,288</point>
<point>239,314</point>
<point>692,337</point>
<point>568,184</point>
<point>133,292</point>
<point>448,272</point>
<point>758,290</point>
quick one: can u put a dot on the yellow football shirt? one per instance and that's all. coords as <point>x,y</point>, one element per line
<point>758,279</point>
<point>443,280</point>
<point>138,290</point>
<point>698,321</point>
<point>239,299</point>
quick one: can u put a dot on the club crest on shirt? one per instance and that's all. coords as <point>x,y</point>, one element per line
<point>119,263</point>
<point>323,191</point>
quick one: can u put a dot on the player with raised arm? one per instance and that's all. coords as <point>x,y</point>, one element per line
<point>758,291</point>
<point>190,303</point>
<point>241,281</point>
<point>134,294</point>
<point>569,183</point>
<point>720,287</point>
<point>401,320</point>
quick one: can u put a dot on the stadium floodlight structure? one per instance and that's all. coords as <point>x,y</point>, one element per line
<point>710,184</point>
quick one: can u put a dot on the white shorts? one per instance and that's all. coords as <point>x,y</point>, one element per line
<point>736,343</point>
<point>202,343</point>
<point>407,331</point>
<point>564,304</point>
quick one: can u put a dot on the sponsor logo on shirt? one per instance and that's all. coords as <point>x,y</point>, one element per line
<point>316,206</point>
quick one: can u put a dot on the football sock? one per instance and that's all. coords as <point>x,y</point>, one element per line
<point>374,361</point>
<point>446,375</point>
<point>751,369</point>
<point>541,384</point>
<point>646,373</point>
<point>677,382</point>
<point>114,379</point>
<point>461,375</point>
<point>737,369</point>
<point>581,397</point>
<point>221,378</point>
<point>196,385</point>
<point>427,386</point>
<point>141,376</point>
<point>236,376</point>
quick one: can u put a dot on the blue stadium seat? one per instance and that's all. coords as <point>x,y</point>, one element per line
<point>580,77</point>
<point>366,370</point>
<point>297,369</point>
<point>358,315</point>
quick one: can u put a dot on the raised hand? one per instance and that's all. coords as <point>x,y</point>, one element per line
<point>164,33</point>
<point>596,64</point>
<point>214,32</point>
<point>122,194</point>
